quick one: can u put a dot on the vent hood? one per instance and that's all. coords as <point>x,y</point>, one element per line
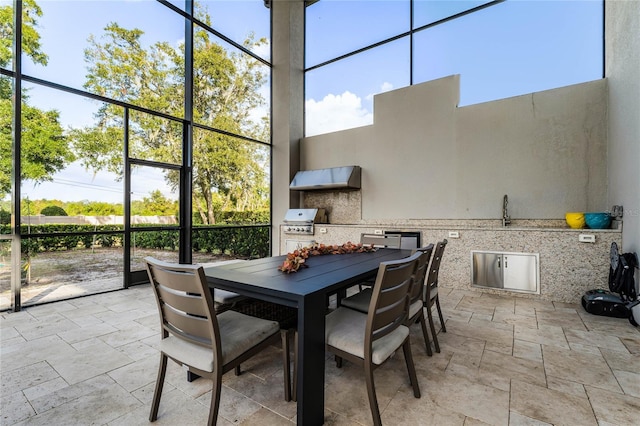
<point>347,177</point>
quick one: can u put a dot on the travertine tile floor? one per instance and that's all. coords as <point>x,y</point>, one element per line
<point>504,361</point>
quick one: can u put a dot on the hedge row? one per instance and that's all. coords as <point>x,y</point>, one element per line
<point>242,218</point>
<point>243,242</point>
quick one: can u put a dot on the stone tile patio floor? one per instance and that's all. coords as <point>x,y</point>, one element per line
<point>504,361</point>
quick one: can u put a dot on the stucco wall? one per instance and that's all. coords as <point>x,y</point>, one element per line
<point>426,158</point>
<point>288,114</point>
<point>622,60</point>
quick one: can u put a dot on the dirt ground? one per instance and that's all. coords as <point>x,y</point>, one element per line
<point>78,266</point>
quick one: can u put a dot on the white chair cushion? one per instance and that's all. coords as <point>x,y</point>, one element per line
<point>415,307</point>
<point>225,297</point>
<point>432,293</point>
<point>359,301</point>
<point>345,330</point>
<point>188,353</point>
<point>238,333</point>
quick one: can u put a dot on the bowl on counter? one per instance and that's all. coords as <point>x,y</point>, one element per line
<point>597,220</point>
<point>575,220</point>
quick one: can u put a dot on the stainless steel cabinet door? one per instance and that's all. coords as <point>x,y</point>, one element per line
<point>487,269</point>
<point>520,272</point>
<point>509,271</point>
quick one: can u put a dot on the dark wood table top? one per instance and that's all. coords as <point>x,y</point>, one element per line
<point>325,273</point>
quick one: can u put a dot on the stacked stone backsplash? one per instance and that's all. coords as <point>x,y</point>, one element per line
<point>342,207</point>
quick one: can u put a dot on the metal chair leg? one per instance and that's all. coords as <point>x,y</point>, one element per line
<point>444,329</point>
<point>411,368</point>
<point>423,324</point>
<point>162,369</point>
<point>371,393</point>
<point>433,330</point>
<point>294,395</point>
<point>286,361</point>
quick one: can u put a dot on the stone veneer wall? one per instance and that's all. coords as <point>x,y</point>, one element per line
<point>567,267</point>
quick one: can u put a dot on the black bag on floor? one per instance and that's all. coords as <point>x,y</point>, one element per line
<point>603,302</point>
<point>621,280</point>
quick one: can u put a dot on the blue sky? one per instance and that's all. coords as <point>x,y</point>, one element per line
<point>508,49</point>
<point>513,48</point>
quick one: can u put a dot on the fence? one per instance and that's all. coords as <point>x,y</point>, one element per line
<point>97,220</point>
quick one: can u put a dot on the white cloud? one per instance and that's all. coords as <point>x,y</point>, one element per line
<point>336,112</point>
<point>386,86</point>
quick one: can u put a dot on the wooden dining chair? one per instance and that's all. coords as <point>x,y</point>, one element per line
<point>431,297</point>
<point>416,298</point>
<point>392,241</point>
<point>195,337</point>
<point>362,300</point>
<point>369,340</point>
<point>380,240</point>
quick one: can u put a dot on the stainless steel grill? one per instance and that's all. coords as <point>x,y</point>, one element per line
<point>301,221</point>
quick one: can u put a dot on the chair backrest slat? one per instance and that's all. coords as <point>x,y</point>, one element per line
<point>382,241</point>
<point>417,289</point>
<point>186,302</point>
<point>391,303</point>
<point>176,280</point>
<point>390,298</point>
<point>434,268</point>
<point>191,328</point>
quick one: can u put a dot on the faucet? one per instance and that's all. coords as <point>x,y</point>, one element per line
<point>506,220</point>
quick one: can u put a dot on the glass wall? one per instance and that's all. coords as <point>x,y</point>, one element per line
<point>499,48</point>
<point>134,115</point>
<point>339,103</point>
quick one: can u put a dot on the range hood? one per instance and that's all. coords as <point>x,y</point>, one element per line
<point>347,177</point>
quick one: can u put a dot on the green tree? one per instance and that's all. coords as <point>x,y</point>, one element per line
<point>5,216</point>
<point>93,208</point>
<point>155,205</point>
<point>53,210</point>
<point>44,149</point>
<point>30,39</point>
<point>225,92</point>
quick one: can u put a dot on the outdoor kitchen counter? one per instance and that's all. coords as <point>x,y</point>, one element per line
<point>567,266</point>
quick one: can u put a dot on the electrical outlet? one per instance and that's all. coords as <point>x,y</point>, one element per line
<point>323,230</point>
<point>454,234</point>
<point>587,238</point>
<point>378,232</point>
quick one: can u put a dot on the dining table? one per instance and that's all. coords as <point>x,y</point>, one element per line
<point>307,290</point>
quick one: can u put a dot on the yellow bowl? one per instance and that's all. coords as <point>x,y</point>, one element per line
<point>575,220</point>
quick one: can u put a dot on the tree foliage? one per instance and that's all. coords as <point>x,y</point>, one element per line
<point>227,171</point>
<point>155,205</point>
<point>44,149</point>
<point>30,37</point>
<point>93,208</point>
<point>5,216</point>
<point>53,210</point>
